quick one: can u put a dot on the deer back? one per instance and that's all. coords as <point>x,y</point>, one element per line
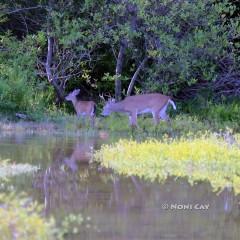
<point>141,102</point>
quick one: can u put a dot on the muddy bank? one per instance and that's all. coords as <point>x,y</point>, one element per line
<point>28,127</point>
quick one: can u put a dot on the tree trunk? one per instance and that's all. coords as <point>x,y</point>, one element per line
<point>134,78</point>
<point>120,58</point>
<point>51,78</point>
<point>59,91</point>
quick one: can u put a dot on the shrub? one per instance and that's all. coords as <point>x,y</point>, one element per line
<point>20,218</point>
<point>19,89</point>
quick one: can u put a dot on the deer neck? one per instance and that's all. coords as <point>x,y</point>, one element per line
<point>117,107</point>
<point>74,102</point>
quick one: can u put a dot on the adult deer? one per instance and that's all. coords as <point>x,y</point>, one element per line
<point>82,108</point>
<point>154,103</point>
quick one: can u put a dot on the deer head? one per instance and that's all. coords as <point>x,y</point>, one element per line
<point>72,96</point>
<point>107,109</point>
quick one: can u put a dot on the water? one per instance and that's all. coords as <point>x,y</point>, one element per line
<point>114,207</point>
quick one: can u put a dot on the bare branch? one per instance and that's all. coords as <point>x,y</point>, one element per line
<point>24,9</point>
<point>119,66</point>
<point>49,59</point>
<point>70,75</point>
<point>134,78</point>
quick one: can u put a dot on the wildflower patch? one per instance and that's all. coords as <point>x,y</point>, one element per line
<point>200,159</point>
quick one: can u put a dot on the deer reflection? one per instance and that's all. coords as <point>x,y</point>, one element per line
<point>69,182</point>
<point>60,181</point>
<point>81,154</point>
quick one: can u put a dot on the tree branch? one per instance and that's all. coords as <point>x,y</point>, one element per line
<point>120,58</point>
<point>135,75</point>
<point>24,9</point>
<point>49,59</point>
<point>52,78</point>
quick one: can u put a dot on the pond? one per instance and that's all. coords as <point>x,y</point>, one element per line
<point>115,207</point>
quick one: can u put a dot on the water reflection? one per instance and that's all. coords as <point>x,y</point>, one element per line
<point>128,208</point>
<point>120,207</point>
<point>81,153</point>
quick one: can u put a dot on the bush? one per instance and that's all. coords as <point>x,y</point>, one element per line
<point>219,115</point>
<point>20,218</point>
<point>19,89</point>
<point>187,41</point>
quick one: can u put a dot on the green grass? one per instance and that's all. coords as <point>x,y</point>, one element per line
<point>195,117</point>
<point>180,125</point>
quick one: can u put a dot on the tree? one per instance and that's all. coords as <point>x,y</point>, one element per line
<point>178,43</point>
<point>68,45</point>
<point>147,46</point>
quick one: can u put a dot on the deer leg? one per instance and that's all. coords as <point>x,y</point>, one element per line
<point>93,115</point>
<point>155,117</point>
<point>130,119</point>
<point>83,120</point>
<point>133,119</point>
<point>163,115</point>
<point>92,119</point>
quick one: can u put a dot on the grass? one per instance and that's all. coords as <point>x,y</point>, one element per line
<point>206,158</point>
<point>180,125</point>
<point>194,116</point>
<point>68,124</point>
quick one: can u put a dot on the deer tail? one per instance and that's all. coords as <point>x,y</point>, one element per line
<point>172,103</point>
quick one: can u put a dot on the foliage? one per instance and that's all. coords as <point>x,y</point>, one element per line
<point>221,112</point>
<point>70,224</point>
<point>20,218</point>
<point>185,43</point>
<point>197,159</point>
<point>187,39</point>
<point>18,88</point>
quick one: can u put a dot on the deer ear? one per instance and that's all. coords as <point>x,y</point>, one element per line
<point>77,91</point>
<point>111,100</point>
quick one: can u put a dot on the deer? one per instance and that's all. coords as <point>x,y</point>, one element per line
<point>82,108</point>
<point>82,153</point>
<point>154,103</point>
